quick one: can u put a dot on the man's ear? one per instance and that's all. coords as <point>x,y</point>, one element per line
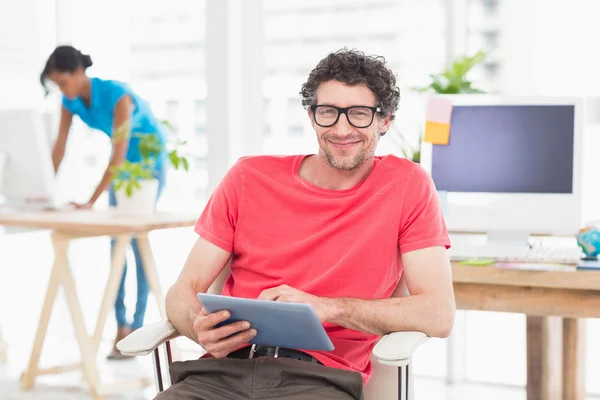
<point>385,124</point>
<point>310,116</point>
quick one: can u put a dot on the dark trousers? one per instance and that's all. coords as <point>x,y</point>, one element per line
<point>260,378</point>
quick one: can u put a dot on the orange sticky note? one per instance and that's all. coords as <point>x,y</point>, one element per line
<point>436,133</point>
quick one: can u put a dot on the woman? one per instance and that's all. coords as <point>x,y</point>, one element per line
<point>107,106</point>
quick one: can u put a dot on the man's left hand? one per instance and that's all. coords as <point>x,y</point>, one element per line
<point>324,307</point>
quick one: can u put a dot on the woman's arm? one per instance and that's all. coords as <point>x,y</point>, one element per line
<point>120,141</point>
<point>58,150</point>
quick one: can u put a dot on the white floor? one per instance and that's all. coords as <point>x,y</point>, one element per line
<point>25,262</point>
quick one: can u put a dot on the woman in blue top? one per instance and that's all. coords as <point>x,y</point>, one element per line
<point>105,105</point>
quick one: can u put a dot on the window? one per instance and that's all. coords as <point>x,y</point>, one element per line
<point>167,62</point>
<point>410,35</point>
<point>485,27</point>
<point>199,118</point>
<point>172,114</point>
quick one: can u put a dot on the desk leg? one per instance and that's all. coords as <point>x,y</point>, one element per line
<point>574,359</point>
<point>112,286</point>
<point>151,272</point>
<point>60,262</point>
<point>544,352</point>
<point>86,346</point>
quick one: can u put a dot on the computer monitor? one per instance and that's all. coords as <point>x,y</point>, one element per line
<point>27,175</point>
<point>512,167</point>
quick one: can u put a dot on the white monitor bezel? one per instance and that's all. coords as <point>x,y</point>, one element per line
<point>543,214</point>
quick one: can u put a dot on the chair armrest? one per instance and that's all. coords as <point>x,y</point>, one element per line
<point>398,348</point>
<point>144,340</point>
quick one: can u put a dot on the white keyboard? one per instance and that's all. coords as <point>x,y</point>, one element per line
<point>540,254</point>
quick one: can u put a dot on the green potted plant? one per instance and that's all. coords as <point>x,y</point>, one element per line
<point>452,80</point>
<point>135,186</point>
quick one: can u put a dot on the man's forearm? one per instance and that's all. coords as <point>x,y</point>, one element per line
<point>423,313</point>
<point>182,309</point>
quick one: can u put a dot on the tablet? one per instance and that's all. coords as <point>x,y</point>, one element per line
<point>291,325</point>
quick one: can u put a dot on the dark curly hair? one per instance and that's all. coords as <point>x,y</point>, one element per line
<point>353,67</point>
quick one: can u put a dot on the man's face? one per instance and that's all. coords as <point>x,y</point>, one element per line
<point>344,146</point>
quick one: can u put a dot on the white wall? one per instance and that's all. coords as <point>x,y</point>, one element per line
<point>549,47</point>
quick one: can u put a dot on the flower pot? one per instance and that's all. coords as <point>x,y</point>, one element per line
<point>141,202</point>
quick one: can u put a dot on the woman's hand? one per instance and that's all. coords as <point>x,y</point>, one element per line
<point>82,206</point>
<point>219,342</point>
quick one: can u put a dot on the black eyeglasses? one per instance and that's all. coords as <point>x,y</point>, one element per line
<point>357,116</point>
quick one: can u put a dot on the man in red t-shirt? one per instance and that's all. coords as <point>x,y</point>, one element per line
<point>335,230</point>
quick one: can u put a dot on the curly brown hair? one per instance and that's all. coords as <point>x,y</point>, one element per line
<point>353,67</point>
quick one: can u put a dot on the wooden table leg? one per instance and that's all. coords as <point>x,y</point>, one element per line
<point>574,343</point>
<point>154,283</point>
<point>151,272</point>
<point>86,346</point>
<point>544,353</point>
<point>60,262</point>
<point>112,286</point>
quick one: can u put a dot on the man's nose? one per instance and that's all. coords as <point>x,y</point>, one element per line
<point>343,126</point>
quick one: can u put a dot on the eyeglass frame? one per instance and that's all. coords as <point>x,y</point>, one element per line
<point>344,110</point>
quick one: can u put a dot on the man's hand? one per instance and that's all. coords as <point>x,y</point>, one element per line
<point>325,308</point>
<point>217,341</point>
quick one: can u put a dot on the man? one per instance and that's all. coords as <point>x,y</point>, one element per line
<point>335,230</point>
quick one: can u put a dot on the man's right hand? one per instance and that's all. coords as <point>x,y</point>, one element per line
<point>221,341</point>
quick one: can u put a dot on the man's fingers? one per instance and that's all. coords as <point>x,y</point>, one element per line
<point>205,323</point>
<point>288,299</point>
<point>227,330</point>
<point>223,347</point>
<point>270,294</point>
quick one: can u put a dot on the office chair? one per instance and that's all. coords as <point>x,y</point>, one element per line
<point>392,350</point>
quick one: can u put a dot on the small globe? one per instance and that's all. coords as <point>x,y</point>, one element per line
<point>588,239</point>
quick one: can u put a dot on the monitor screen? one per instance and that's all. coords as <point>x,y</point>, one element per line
<point>507,149</point>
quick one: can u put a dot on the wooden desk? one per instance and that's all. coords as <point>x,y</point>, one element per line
<point>555,304</point>
<point>71,225</point>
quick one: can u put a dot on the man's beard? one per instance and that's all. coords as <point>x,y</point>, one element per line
<point>348,163</point>
<point>345,163</point>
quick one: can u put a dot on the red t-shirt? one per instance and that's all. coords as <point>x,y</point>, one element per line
<point>332,243</point>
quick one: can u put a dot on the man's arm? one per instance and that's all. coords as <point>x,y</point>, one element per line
<point>429,308</point>
<point>204,263</point>
<point>120,141</point>
<point>58,150</point>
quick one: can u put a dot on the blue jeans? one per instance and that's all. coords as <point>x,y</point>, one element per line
<point>142,282</point>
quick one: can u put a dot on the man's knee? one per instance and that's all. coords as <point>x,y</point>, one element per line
<point>165,395</point>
